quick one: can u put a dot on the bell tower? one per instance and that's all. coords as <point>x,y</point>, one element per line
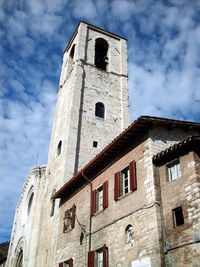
<point>92,105</point>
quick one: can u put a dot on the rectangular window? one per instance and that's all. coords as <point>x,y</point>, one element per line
<point>100,198</point>
<point>69,219</point>
<point>68,263</point>
<point>125,180</point>
<point>178,216</point>
<point>98,258</point>
<point>174,170</point>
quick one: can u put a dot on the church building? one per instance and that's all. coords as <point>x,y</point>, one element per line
<point>111,194</point>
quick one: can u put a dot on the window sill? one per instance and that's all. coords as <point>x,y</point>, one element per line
<point>124,196</point>
<point>98,212</point>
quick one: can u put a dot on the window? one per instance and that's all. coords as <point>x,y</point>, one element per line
<point>95,143</point>
<point>30,202</point>
<point>52,207</point>
<point>100,198</point>
<point>68,263</point>
<point>125,180</point>
<point>174,170</point>
<point>98,258</point>
<point>59,148</point>
<point>129,234</point>
<point>178,216</point>
<point>100,110</point>
<point>69,219</point>
<point>101,50</point>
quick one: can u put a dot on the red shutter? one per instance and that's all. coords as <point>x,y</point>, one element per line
<point>73,216</point>
<point>94,201</point>
<point>105,194</point>
<point>70,262</point>
<point>91,259</point>
<point>116,186</point>
<point>105,256</point>
<point>61,264</point>
<point>133,180</point>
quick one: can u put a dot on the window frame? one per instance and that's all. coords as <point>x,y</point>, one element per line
<point>119,181</point>
<point>174,164</point>
<point>177,212</point>
<point>95,209</point>
<point>70,215</point>
<point>93,257</point>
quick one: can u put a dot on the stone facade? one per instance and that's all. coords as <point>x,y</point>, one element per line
<point>100,194</point>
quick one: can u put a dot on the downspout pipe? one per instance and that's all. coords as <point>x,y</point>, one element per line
<point>90,223</point>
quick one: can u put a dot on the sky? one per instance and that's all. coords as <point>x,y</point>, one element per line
<point>164,72</point>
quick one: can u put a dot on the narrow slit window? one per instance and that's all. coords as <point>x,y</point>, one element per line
<point>59,148</point>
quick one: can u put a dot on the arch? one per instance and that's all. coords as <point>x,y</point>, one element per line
<point>19,262</point>
<point>101,50</point>
<point>59,148</point>
<point>30,196</point>
<point>129,234</point>
<point>19,253</point>
<point>99,110</point>
<point>30,202</point>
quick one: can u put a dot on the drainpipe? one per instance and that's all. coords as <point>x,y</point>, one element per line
<point>90,224</point>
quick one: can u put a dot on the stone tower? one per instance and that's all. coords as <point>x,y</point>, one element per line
<point>92,105</point>
<point>92,109</point>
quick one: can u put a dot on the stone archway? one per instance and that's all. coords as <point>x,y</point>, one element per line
<point>19,261</point>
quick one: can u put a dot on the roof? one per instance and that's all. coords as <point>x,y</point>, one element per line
<point>93,27</point>
<point>129,138</point>
<point>192,143</point>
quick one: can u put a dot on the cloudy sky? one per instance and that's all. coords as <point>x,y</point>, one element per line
<point>164,71</point>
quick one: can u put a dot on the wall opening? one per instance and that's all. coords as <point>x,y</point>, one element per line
<point>19,261</point>
<point>59,148</point>
<point>100,110</point>
<point>30,202</point>
<point>101,50</point>
<point>178,216</point>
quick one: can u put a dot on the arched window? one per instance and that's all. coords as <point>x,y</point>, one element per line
<point>30,202</point>
<point>59,148</point>
<point>19,261</point>
<point>101,50</point>
<point>100,110</point>
<point>129,234</point>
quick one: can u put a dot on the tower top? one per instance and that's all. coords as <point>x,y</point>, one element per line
<point>95,28</point>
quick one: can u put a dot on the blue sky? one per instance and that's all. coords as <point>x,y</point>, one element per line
<point>164,72</point>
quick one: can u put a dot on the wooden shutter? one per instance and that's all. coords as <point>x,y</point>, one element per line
<point>65,227</point>
<point>133,179</point>
<point>91,259</point>
<point>61,264</point>
<point>94,201</point>
<point>105,256</point>
<point>70,262</point>
<point>73,216</point>
<point>105,194</point>
<point>116,186</point>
